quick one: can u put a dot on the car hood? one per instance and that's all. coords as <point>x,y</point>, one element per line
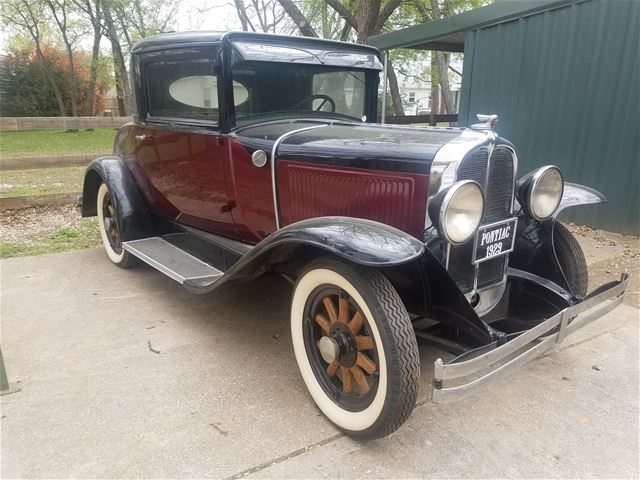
<point>383,147</point>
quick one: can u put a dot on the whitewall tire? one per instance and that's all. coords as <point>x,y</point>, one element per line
<point>355,347</point>
<point>110,231</point>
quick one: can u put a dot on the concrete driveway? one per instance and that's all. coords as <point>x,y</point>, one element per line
<point>124,374</point>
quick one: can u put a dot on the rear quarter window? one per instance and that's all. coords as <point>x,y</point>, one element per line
<point>182,89</point>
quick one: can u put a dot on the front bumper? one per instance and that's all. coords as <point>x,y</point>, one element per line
<point>474,369</point>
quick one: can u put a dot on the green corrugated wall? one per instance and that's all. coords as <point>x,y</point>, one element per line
<point>565,84</point>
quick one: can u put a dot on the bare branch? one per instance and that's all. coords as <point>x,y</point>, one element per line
<point>344,13</point>
<point>386,12</point>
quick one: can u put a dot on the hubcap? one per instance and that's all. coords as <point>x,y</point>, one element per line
<point>328,349</point>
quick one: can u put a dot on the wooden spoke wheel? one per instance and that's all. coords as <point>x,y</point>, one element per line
<point>355,347</point>
<point>109,224</point>
<point>341,346</point>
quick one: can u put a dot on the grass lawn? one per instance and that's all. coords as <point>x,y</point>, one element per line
<point>16,183</point>
<point>56,142</point>
<point>84,235</point>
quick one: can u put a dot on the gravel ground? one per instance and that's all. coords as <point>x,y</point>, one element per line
<point>26,224</point>
<point>607,253</point>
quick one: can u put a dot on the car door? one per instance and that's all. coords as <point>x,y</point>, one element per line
<point>181,150</point>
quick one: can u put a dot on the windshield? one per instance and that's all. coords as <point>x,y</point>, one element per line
<point>277,89</point>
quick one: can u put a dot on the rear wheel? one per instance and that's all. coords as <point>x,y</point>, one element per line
<point>355,347</point>
<point>109,224</point>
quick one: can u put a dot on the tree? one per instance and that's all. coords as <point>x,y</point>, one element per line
<point>26,91</point>
<point>433,10</point>
<point>93,11</point>
<point>298,18</point>
<point>123,89</point>
<point>266,16</point>
<point>27,16</point>
<point>60,11</point>
<point>364,17</point>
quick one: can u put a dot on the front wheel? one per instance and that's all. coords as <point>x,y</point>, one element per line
<point>355,347</point>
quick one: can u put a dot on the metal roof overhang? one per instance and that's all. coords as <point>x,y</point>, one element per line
<point>448,34</point>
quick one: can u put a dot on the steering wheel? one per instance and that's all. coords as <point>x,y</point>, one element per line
<point>317,96</point>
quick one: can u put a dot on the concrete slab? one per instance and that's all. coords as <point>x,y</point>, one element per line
<point>125,374</point>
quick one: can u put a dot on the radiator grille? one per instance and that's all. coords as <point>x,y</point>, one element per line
<point>312,191</point>
<point>496,176</point>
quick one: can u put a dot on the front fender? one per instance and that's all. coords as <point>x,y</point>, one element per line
<point>360,241</point>
<point>363,242</point>
<point>421,280</point>
<point>575,195</point>
<point>134,216</point>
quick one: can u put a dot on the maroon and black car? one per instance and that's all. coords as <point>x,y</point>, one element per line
<point>252,154</point>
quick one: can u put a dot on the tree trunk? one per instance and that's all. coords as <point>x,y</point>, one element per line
<point>435,94</point>
<point>442,62</point>
<point>242,14</point>
<point>60,16</point>
<point>443,74</point>
<point>123,90</point>
<point>366,13</point>
<point>50,78</point>
<point>396,98</point>
<point>56,91</point>
<point>298,18</point>
<point>89,108</point>
<point>73,93</point>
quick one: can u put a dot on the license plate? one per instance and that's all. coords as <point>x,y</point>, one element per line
<point>494,240</point>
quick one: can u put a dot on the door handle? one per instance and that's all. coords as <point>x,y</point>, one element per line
<point>143,137</point>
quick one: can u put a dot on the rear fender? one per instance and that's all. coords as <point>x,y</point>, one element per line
<point>135,219</point>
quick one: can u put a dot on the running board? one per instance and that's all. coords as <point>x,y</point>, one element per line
<point>172,261</point>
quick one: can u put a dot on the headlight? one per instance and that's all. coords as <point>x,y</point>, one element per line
<point>540,192</point>
<point>457,211</point>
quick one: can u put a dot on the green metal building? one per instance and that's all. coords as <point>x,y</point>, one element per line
<point>564,77</point>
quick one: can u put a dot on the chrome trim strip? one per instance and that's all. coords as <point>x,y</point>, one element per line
<point>565,319</point>
<point>274,150</point>
<point>447,159</point>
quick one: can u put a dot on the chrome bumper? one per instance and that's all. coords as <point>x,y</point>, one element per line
<point>472,374</point>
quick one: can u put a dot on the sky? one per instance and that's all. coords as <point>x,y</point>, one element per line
<point>219,15</point>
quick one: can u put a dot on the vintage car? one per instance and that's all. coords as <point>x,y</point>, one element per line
<point>253,154</point>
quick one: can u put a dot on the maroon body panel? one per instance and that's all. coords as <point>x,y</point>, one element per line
<point>183,175</point>
<point>250,188</point>
<point>208,180</point>
<point>393,198</point>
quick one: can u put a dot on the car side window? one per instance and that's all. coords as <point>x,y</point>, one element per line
<point>184,89</point>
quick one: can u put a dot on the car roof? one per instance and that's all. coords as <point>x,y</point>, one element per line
<point>178,39</point>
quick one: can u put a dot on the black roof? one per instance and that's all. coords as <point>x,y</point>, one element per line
<point>165,40</point>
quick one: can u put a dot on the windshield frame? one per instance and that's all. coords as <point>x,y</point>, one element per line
<point>241,120</point>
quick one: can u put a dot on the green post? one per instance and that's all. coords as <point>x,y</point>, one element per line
<point>5,388</point>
